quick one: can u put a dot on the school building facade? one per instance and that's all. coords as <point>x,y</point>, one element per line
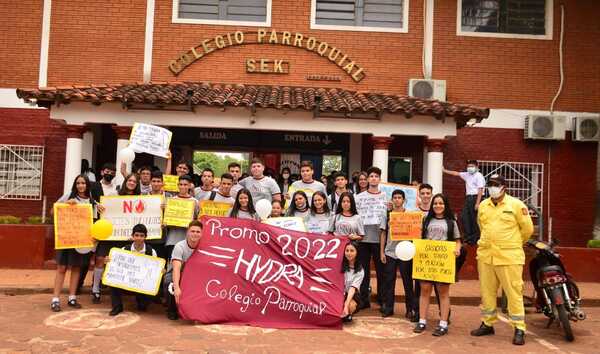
<point>409,86</point>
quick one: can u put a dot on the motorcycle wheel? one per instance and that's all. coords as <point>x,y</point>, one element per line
<point>564,322</point>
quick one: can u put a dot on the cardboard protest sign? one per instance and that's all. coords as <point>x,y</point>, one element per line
<point>371,207</point>
<point>288,222</point>
<point>405,226</point>
<point>434,261</point>
<point>72,226</point>
<point>212,208</point>
<point>170,183</point>
<point>133,271</point>
<point>150,139</point>
<point>126,211</point>
<point>247,272</point>
<point>179,212</point>
<point>411,192</point>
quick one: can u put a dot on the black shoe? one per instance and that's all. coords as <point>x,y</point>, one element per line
<point>419,328</point>
<point>409,314</point>
<point>347,319</point>
<point>414,318</point>
<point>173,316</point>
<point>55,306</point>
<point>96,298</point>
<point>115,310</point>
<point>440,331</point>
<point>364,305</point>
<point>74,304</point>
<point>519,338</point>
<point>142,307</point>
<point>387,313</point>
<point>483,330</point>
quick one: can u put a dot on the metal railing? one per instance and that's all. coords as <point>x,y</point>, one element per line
<point>21,169</point>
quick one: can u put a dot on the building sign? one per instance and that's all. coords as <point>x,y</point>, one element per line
<point>261,139</point>
<point>267,66</point>
<point>263,36</point>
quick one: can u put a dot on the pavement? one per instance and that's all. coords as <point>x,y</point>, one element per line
<point>28,326</point>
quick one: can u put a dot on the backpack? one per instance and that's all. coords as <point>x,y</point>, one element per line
<point>212,196</point>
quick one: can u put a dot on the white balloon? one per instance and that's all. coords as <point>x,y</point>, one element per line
<point>263,208</point>
<point>405,250</point>
<point>127,155</point>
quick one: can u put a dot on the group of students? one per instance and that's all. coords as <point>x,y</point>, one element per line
<point>335,214</point>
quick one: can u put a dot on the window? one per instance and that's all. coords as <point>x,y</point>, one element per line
<point>523,180</point>
<point>505,18</point>
<point>399,170</point>
<point>331,163</point>
<point>218,161</point>
<point>223,12</point>
<point>360,15</point>
<point>21,171</point>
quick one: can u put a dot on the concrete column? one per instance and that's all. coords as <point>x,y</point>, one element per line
<point>381,146</point>
<point>122,142</point>
<point>435,164</point>
<point>73,154</point>
<point>355,152</point>
<point>88,147</point>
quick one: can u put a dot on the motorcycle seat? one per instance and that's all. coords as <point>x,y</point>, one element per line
<point>552,268</point>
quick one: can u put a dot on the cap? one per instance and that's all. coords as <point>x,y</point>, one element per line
<point>496,178</point>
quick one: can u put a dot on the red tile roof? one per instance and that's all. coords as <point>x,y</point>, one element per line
<point>323,100</point>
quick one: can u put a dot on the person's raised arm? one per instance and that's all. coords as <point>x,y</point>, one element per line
<point>452,173</point>
<point>169,165</point>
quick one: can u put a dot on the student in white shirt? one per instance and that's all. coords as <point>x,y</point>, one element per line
<point>259,185</point>
<point>243,208</point>
<point>307,184</point>
<point>474,187</point>
<point>299,206</point>
<point>207,177</point>
<point>110,184</point>
<point>319,218</point>
<point>341,186</point>
<point>235,170</point>
<point>353,277</point>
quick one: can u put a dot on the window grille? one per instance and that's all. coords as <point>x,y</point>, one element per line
<point>21,169</point>
<point>504,16</point>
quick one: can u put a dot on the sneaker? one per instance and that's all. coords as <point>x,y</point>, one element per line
<point>347,319</point>
<point>96,298</point>
<point>55,306</point>
<point>483,330</point>
<point>74,304</point>
<point>519,338</point>
<point>440,331</point>
<point>419,328</point>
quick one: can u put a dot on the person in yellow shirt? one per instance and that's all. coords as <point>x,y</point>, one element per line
<point>505,226</point>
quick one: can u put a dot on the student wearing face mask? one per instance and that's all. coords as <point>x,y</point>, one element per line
<point>110,184</point>
<point>505,226</point>
<point>474,185</point>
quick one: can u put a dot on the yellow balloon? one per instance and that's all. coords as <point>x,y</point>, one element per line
<point>102,229</point>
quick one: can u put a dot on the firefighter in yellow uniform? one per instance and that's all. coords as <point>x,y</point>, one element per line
<point>505,226</point>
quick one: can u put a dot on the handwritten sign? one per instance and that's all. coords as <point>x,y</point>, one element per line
<point>150,139</point>
<point>247,272</point>
<point>126,211</point>
<point>72,225</point>
<point>405,226</point>
<point>170,183</point>
<point>434,261</point>
<point>133,271</point>
<point>288,222</point>
<point>179,212</point>
<point>411,192</point>
<point>212,208</point>
<point>371,207</point>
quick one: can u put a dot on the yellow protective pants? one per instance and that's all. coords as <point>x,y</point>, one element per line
<point>510,278</point>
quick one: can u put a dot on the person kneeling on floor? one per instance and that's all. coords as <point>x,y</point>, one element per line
<point>182,251</point>
<point>138,245</point>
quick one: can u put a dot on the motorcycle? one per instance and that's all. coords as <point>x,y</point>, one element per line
<point>557,293</point>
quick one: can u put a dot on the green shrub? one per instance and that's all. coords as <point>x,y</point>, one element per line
<point>9,219</point>
<point>593,244</point>
<point>34,220</point>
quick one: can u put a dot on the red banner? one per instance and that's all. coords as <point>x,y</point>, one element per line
<point>245,272</point>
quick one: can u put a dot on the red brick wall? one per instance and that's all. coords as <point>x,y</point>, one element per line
<point>389,59</point>
<point>572,175</point>
<point>521,73</point>
<point>96,42</point>
<point>34,127</point>
<point>20,30</point>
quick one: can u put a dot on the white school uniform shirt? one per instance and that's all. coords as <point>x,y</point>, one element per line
<point>473,182</point>
<point>142,251</point>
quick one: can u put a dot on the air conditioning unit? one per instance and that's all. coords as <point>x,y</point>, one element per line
<point>587,129</point>
<point>428,89</point>
<point>545,127</point>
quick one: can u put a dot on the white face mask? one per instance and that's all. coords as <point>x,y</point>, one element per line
<point>495,192</point>
<point>472,170</point>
